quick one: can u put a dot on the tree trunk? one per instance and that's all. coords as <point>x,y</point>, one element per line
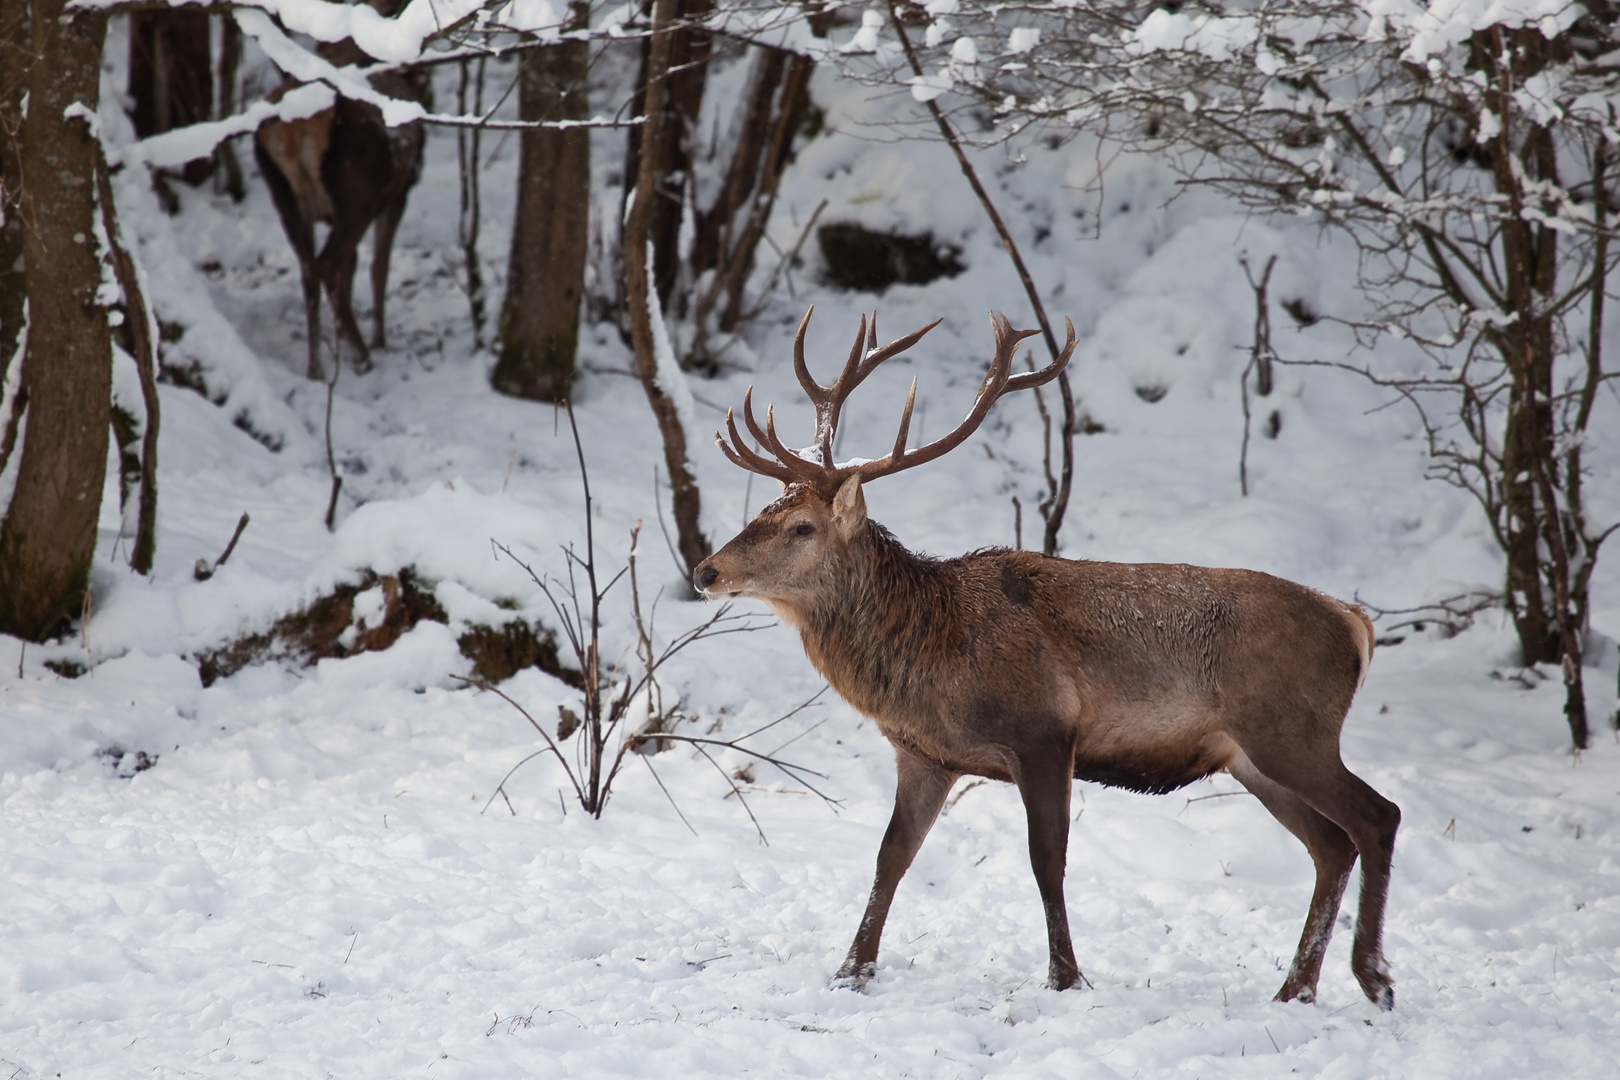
<point>143,347</point>
<point>14,57</point>
<point>468,151</point>
<point>546,272</point>
<point>229,177</point>
<point>727,233</point>
<point>1528,345</point>
<point>642,296</point>
<point>685,79</point>
<point>1527,447</point>
<point>48,537</point>
<point>171,76</point>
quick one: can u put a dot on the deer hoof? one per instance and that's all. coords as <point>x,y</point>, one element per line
<point>1381,995</point>
<point>1376,984</point>
<point>1304,994</point>
<point>1063,978</point>
<point>854,977</point>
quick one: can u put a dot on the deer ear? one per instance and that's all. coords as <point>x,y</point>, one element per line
<point>849,508</point>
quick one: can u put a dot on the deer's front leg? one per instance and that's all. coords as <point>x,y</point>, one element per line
<point>919,794</point>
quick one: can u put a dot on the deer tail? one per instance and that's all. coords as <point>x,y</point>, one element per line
<point>1361,629</point>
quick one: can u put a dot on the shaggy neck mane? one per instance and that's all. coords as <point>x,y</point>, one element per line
<point>880,641</point>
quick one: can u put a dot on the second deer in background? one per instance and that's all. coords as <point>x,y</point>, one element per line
<point>346,168</point>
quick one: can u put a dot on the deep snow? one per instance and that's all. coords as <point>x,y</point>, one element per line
<point>305,883</point>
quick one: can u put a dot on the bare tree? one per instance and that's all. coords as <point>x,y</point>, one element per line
<point>539,330</point>
<point>655,364</point>
<point>681,78</point>
<point>49,534</point>
<point>726,233</point>
<point>468,151</point>
<point>1472,169</point>
<point>15,50</point>
<point>905,65</point>
<point>615,695</point>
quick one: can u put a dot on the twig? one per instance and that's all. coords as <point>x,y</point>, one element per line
<point>331,460</point>
<point>1201,798</point>
<point>241,524</point>
<point>737,791</point>
<point>1260,358</point>
<point>658,505</point>
<point>672,804</point>
<point>202,571</point>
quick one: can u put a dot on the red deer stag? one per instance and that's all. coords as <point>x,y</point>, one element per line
<point>346,168</point>
<point>1036,670</point>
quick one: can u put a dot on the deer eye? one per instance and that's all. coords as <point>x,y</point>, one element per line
<point>803,529</point>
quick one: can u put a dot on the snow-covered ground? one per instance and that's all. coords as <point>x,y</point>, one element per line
<point>307,883</point>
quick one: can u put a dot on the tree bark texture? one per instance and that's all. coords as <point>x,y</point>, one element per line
<point>686,76</point>
<point>171,76</point>
<point>539,331</point>
<point>229,179</point>
<point>1528,345</point>
<point>640,295</point>
<point>15,50</point>
<point>49,534</point>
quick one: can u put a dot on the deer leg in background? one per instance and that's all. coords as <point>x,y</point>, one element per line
<point>1046,782</point>
<point>1334,856</point>
<point>298,222</point>
<point>382,248</point>
<point>335,267</point>
<point>1370,820</point>
<point>312,316</point>
<point>920,790</point>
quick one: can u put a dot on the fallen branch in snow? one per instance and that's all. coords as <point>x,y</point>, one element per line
<point>202,571</point>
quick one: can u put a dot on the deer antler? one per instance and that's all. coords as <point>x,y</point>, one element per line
<point>814,465</point>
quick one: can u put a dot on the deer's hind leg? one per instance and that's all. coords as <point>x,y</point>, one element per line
<point>1313,798</point>
<point>919,794</point>
<point>1334,856</point>
<point>382,249</point>
<point>336,266</point>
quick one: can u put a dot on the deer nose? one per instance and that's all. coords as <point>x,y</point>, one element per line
<point>704,576</point>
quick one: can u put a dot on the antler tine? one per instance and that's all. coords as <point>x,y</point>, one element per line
<point>1028,379</point>
<point>899,450</point>
<point>742,456</point>
<point>876,356</point>
<point>996,382</point>
<point>812,389</point>
<point>748,417</point>
<point>803,470</point>
<point>789,467</point>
